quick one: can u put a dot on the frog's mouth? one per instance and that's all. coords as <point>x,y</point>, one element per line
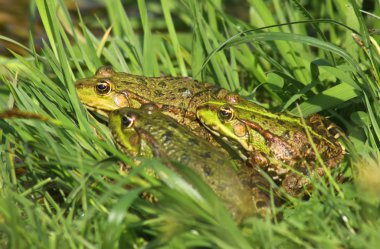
<point>102,112</point>
<point>104,107</point>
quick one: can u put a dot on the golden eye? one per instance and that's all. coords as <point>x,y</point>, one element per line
<point>226,113</point>
<point>128,120</point>
<point>103,87</point>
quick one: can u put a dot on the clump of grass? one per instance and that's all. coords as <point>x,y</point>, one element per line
<point>59,179</point>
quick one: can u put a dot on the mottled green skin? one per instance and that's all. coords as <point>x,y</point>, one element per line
<point>276,142</point>
<point>177,97</point>
<point>170,141</point>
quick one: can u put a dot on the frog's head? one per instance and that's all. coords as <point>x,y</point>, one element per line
<point>104,91</point>
<point>222,120</point>
<point>126,125</point>
<point>122,123</point>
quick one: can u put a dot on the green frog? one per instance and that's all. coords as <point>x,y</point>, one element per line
<point>174,143</point>
<point>275,142</point>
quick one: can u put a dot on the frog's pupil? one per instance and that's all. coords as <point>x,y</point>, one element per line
<point>225,113</point>
<point>102,86</point>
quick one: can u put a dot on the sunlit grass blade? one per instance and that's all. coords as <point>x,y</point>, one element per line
<point>328,99</point>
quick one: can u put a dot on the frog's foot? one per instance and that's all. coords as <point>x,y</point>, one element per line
<point>298,184</point>
<point>295,184</point>
<point>323,126</point>
<point>331,150</point>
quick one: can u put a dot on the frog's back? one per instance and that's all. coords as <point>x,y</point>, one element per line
<point>178,144</point>
<point>180,92</point>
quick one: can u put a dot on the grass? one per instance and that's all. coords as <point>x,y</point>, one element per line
<point>60,183</point>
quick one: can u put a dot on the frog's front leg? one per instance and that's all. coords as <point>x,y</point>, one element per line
<point>295,184</point>
<point>272,166</point>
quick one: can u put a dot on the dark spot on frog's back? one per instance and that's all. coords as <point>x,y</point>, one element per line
<point>142,81</point>
<point>162,84</point>
<point>167,136</point>
<point>207,170</point>
<point>158,93</point>
<point>286,134</point>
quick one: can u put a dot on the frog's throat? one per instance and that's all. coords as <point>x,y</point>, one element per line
<point>232,143</point>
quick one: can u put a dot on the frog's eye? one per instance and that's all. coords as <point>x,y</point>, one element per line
<point>105,71</point>
<point>103,87</point>
<point>128,120</point>
<point>225,113</point>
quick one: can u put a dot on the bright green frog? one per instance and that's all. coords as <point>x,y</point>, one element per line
<point>171,142</point>
<point>276,142</point>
